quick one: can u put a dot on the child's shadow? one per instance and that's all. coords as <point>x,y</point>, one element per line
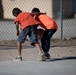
<point>58,59</point>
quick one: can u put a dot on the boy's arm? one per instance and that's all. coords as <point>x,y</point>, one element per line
<point>17,28</point>
<point>37,13</point>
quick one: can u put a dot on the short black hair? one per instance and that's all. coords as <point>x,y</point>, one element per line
<point>35,10</point>
<point>16,11</point>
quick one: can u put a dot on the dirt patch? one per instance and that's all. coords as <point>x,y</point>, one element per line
<point>58,49</point>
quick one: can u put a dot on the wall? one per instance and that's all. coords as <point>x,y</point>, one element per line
<point>26,5</point>
<point>67,8</point>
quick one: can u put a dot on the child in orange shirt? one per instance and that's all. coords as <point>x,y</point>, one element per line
<point>28,27</point>
<point>50,27</point>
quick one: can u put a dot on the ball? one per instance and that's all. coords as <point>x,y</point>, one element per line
<point>40,33</point>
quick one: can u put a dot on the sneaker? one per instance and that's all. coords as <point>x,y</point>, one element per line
<point>47,55</point>
<point>18,58</point>
<point>41,57</point>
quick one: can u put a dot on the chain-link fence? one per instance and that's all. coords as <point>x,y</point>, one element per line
<point>54,8</point>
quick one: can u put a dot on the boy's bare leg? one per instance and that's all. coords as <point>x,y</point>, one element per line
<point>38,47</point>
<point>42,56</point>
<point>19,48</point>
<point>19,58</point>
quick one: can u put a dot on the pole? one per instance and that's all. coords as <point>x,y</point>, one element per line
<point>61,17</point>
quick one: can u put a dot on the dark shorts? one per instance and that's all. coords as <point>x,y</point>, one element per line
<point>31,31</point>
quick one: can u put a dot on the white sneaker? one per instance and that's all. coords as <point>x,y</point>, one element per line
<point>41,57</point>
<point>18,58</point>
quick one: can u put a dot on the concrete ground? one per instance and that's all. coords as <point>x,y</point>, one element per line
<point>62,62</point>
<point>64,66</point>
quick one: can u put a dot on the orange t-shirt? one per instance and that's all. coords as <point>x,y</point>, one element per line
<point>46,22</point>
<point>25,19</point>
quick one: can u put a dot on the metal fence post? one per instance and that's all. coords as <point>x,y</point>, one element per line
<point>61,17</point>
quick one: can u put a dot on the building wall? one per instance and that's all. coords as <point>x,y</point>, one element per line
<point>68,8</point>
<point>1,10</point>
<point>26,5</point>
<point>56,8</point>
<point>74,6</point>
<point>51,7</point>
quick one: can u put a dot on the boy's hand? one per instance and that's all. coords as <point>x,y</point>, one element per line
<point>17,33</point>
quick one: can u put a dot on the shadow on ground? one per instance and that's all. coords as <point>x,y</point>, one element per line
<point>59,59</point>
